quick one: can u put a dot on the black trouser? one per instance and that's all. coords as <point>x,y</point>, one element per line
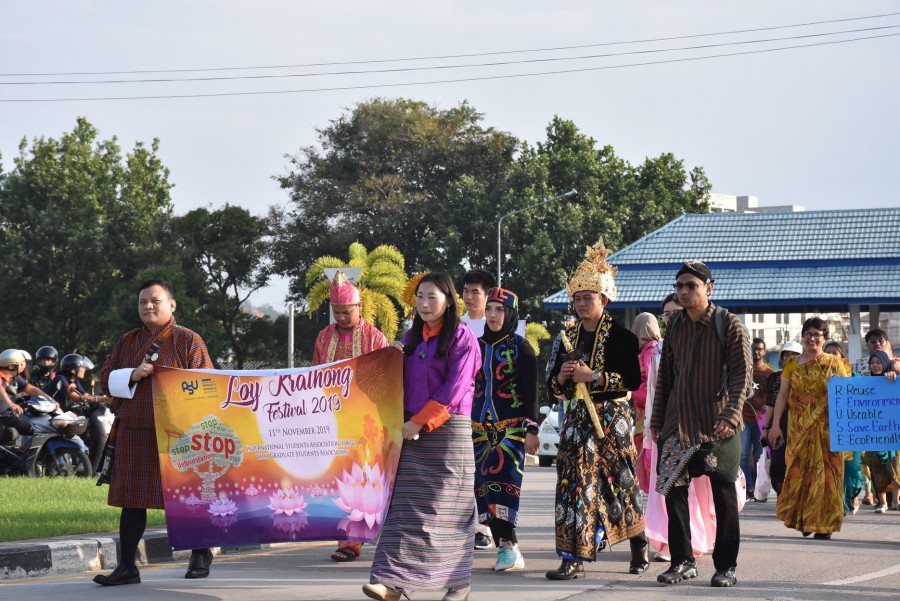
<point>728,529</point>
<point>777,463</point>
<point>502,529</point>
<point>132,523</point>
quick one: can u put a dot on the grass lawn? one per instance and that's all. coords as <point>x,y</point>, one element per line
<point>45,507</point>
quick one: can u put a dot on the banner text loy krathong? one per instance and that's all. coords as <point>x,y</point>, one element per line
<point>248,393</point>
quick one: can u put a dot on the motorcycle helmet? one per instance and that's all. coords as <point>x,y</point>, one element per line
<point>11,356</point>
<point>71,363</point>
<point>45,352</point>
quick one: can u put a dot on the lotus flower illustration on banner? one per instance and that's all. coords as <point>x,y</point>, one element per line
<point>361,495</point>
<point>287,501</point>
<point>291,525</point>
<point>224,521</point>
<point>222,507</point>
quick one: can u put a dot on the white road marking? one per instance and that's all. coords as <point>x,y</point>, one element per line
<point>863,577</point>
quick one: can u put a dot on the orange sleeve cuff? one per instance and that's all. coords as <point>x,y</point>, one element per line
<point>431,416</point>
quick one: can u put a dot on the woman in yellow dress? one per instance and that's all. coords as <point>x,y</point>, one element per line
<point>811,498</point>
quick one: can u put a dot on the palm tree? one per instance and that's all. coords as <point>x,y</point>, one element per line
<point>534,333</point>
<point>383,278</point>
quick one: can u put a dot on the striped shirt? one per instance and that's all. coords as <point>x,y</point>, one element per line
<point>690,391</point>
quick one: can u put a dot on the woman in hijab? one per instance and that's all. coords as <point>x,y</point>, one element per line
<point>646,328</point>
<point>883,465</point>
<point>504,423</point>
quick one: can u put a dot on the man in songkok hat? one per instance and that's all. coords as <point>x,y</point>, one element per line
<point>705,375</point>
<point>598,502</point>
<point>349,337</point>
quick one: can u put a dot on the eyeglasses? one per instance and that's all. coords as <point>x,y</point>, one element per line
<point>813,336</point>
<point>691,286</point>
<point>877,340</point>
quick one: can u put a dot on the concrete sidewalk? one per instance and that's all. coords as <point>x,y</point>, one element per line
<point>79,553</point>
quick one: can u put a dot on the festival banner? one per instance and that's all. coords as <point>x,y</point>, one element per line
<point>251,457</point>
<point>864,414</point>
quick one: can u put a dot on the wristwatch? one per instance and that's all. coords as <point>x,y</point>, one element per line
<point>596,376</point>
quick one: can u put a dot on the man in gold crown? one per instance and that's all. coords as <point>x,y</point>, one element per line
<point>597,498</point>
<point>350,336</point>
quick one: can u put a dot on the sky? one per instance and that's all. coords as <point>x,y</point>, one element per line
<point>813,126</point>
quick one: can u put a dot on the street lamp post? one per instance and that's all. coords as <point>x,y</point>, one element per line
<point>568,194</point>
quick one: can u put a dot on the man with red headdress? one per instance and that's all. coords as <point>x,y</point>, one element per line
<point>350,336</point>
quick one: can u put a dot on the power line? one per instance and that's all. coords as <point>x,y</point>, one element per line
<point>455,56</point>
<point>446,67</point>
<point>459,80</point>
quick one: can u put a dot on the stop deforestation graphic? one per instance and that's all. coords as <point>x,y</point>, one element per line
<point>208,443</point>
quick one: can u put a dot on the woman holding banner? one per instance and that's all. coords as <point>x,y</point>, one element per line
<point>812,496</point>
<point>428,536</point>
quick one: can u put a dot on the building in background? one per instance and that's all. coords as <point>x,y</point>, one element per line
<point>774,267</point>
<point>726,203</point>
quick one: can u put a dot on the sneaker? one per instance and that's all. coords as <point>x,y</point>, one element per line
<point>880,509</point>
<point>724,578</point>
<point>482,541</point>
<point>509,558</point>
<point>678,572</point>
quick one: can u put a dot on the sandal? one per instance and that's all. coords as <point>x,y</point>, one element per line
<point>343,554</point>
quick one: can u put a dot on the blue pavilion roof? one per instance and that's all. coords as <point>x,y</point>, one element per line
<point>814,258</point>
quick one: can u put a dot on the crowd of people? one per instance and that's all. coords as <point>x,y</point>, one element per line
<point>61,382</point>
<point>685,417</point>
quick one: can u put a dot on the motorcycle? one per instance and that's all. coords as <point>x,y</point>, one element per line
<point>99,424</point>
<point>54,448</point>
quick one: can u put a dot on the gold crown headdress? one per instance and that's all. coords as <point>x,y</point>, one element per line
<point>594,273</point>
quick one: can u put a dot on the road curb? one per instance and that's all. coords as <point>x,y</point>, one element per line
<point>82,553</point>
<point>78,554</point>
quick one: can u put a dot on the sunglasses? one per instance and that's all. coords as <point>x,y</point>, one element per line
<point>688,285</point>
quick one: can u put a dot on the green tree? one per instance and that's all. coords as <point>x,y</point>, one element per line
<point>615,200</point>
<point>78,220</point>
<point>403,172</point>
<point>380,282</point>
<point>224,253</point>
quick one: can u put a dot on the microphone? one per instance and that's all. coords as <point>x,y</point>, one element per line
<point>152,353</point>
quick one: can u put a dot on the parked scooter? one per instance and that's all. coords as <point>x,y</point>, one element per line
<point>53,450</point>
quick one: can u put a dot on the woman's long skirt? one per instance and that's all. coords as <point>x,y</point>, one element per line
<point>429,534</point>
